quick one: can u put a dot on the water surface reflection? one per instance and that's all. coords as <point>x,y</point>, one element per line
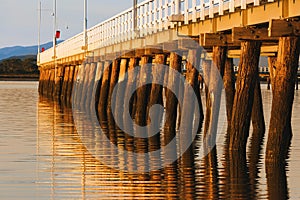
<point>70,171</point>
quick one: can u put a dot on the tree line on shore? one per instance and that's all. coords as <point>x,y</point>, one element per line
<point>19,65</point>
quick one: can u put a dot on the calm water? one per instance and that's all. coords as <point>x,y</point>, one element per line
<point>43,157</point>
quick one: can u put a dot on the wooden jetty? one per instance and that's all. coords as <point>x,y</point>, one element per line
<point>166,33</point>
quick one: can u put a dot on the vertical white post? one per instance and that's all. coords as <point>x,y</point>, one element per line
<point>166,14</point>
<point>85,25</point>
<point>39,30</point>
<point>211,9</point>
<point>231,6</point>
<point>221,7</point>
<point>194,10</point>
<point>186,12</point>
<point>151,22</point>
<point>202,12</point>
<point>54,39</point>
<point>243,4</point>
<point>134,18</point>
<point>155,19</point>
<point>177,7</point>
<point>160,8</point>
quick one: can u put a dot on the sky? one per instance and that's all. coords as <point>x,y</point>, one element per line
<point>19,18</point>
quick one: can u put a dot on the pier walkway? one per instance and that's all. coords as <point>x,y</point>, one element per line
<point>212,23</point>
<point>170,33</point>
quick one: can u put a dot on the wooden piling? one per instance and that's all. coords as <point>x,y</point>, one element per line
<point>243,100</point>
<point>58,82</point>
<point>70,84</point>
<point>64,84</point>
<point>229,85</point>
<point>131,83</point>
<point>239,176</point>
<point>206,75</point>
<point>104,91</point>
<point>268,83</point>
<point>42,81</point>
<point>97,86</point>
<point>48,83</point>
<point>79,85</point>
<point>90,85</point>
<point>43,90</point>
<point>186,126</point>
<point>45,84</point>
<point>280,131</point>
<point>272,70</point>
<point>210,176</point>
<point>51,84</point>
<point>113,81</point>
<point>156,89</point>
<point>129,139</point>
<point>120,92</point>
<point>257,116</point>
<point>75,83</point>
<point>192,74</point>
<point>83,94</point>
<point>171,99</point>
<point>277,183</point>
<point>258,124</point>
<point>170,168</point>
<point>143,93</point>
<point>156,98</point>
<point>214,95</point>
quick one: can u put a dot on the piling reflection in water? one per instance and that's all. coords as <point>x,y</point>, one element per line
<point>75,173</point>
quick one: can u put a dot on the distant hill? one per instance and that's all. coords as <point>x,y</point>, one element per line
<point>21,57</point>
<point>9,52</point>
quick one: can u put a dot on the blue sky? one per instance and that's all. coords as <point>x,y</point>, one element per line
<point>19,18</point>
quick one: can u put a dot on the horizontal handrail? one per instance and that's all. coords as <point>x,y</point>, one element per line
<point>152,17</point>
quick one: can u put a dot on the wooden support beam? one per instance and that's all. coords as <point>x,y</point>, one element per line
<point>265,51</point>
<point>188,43</point>
<point>111,56</point>
<point>170,46</point>
<point>250,33</point>
<point>97,59</point>
<point>176,18</point>
<point>152,50</point>
<point>281,27</point>
<point>217,39</point>
<point>139,52</point>
<point>148,51</point>
<point>212,39</point>
<point>128,54</point>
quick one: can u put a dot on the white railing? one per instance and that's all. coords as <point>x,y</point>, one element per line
<point>152,16</point>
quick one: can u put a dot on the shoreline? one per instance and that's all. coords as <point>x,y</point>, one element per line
<point>19,77</point>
